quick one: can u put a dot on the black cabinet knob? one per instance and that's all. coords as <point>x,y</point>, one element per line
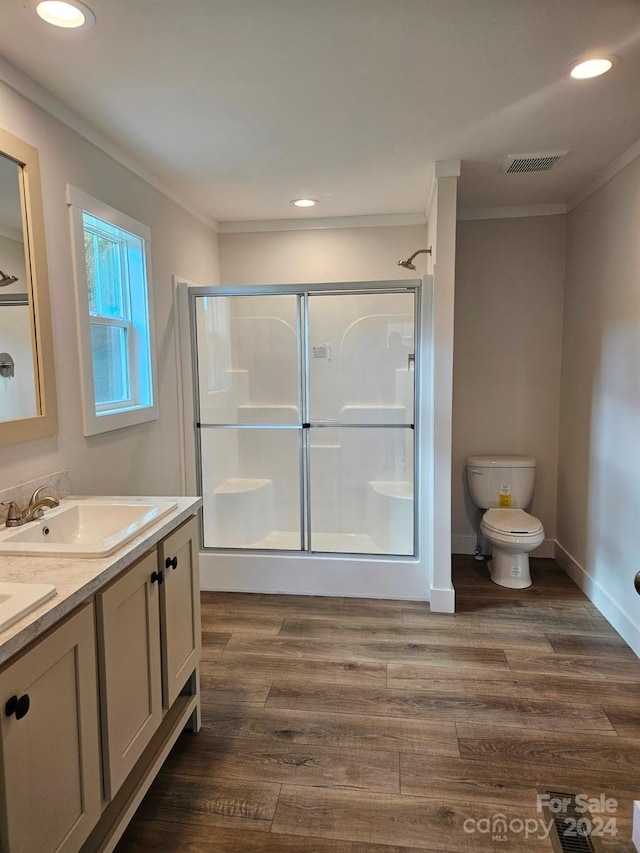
<point>157,577</point>
<point>19,707</point>
<point>636,583</point>
<point>171,563</point>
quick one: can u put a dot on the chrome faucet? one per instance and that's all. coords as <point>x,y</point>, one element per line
<point>35,509</point>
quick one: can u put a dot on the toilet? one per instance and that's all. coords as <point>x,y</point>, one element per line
<point>503,487</point>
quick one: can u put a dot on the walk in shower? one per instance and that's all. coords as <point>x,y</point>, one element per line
<point>306,416</point>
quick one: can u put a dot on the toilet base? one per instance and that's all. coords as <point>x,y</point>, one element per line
<point>509,570</point>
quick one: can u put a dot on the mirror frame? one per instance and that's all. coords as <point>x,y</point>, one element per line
<point>45,423</point>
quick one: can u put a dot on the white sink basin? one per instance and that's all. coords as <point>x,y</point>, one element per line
<point>86,528</point>
<point>17,599</point>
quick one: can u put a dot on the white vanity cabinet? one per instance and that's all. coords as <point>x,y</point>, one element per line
<point>130,677</point>
<point>149,646</point>
<point>181,632</point>
<point>50,742</point>
<point>90,710</point>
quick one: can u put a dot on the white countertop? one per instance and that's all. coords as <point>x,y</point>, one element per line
<point>77,578</point>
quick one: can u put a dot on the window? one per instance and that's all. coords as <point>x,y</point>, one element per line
<point>114,315</point>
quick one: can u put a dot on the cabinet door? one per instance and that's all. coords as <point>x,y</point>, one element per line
<point>180,607</point>
<point>50,758</point>
<point>129,650</point>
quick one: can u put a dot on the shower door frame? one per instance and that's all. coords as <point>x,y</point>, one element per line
<point>302,292</point>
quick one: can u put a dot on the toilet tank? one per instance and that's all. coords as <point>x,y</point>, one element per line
<point>501,481</point>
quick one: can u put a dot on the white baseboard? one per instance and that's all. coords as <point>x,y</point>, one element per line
<point>636,825</point>
<point>466,544</point>
<point>443,600</point>
<point>612,612</point>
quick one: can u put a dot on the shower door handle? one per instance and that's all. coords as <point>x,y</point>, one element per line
<point>411,359</point>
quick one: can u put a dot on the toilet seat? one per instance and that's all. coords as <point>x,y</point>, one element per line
<point>512,522</point>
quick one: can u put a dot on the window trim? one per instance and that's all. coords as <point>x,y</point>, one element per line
<point>98,419</point>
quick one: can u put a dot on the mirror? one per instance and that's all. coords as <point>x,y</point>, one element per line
<point>27,382</point>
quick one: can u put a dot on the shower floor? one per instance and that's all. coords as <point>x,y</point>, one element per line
<point>347,543</point>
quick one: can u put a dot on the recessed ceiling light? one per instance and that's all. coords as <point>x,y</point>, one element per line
<point>70,15</point>
<point>304,202</point>
<point>591,68</point>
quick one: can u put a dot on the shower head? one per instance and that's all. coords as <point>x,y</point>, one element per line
<point>6,279</point>
<point>408,265</point>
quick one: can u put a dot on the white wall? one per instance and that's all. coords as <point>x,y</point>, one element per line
<point>12,262</point>
<point>349,254</point>
<point>599,471</point>
<point>141,459</point>
<point>508,341</point>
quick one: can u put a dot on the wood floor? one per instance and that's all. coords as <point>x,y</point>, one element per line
<point>337,725</point>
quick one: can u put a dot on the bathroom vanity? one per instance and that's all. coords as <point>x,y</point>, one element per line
<point>96,685</point>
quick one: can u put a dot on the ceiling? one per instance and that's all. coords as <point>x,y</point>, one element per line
<point>241,105</point>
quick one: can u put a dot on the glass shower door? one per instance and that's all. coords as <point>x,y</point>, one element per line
<point>249,388</point>
<point>360,435</point>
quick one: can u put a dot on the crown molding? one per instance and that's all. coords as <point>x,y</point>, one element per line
<point>385,220</point>
<point>515,212</point>
<point>40,97</point>
<point>606,175</point>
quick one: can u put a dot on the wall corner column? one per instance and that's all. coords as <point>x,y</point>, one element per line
<point>443,234</point>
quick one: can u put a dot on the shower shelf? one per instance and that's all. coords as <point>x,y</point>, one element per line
<point>240,484</point>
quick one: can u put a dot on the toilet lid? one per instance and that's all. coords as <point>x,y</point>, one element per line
<point>515,521</point>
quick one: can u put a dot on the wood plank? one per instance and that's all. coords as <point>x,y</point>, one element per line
<point>384,650</point>
<point>210,802</point>
<point>340,731</point>
<point>385,603</point>
<point>511,782</point>
<point>469,781</point>
<point>267,605</point>
<point>595,667</point>
<point>506,684</point>
<point>264,669</point>
<point>209,756</point>
<point>496,606</point>
<point>151,836</point>
<point>525,713</point>
<point>572,644</point>
<point>218,691</point>
<point>318,610</point>
<point>214,640</point>
<point>517,620</point>
<point>246,623</point>
<point>412,821</point>
<point>429,634</point>
<point>535,593</point>
<point>625,718</point>
<point>587,750</point>
<point>278,600</point>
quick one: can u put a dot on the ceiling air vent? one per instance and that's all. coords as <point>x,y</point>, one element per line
<point>539,162</point>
